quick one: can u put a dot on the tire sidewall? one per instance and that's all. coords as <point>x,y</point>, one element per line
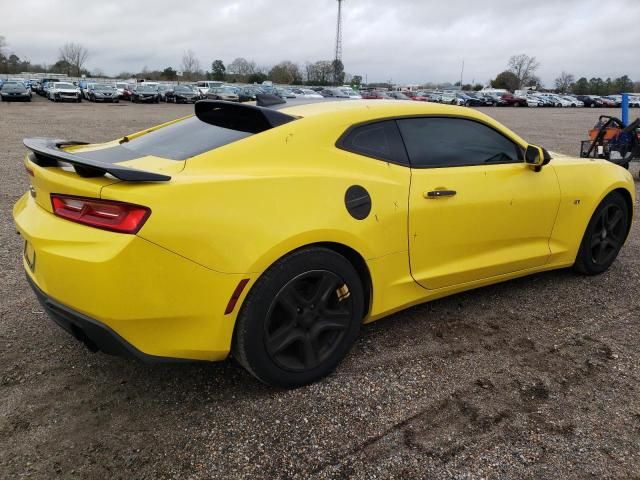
<point>253,314</point>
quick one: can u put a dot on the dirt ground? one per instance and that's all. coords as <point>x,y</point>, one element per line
<point>534,378</point>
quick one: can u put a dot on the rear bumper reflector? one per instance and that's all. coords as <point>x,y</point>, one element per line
<point>236,295</point>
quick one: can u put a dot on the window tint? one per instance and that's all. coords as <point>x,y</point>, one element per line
<point>179,141</point>
<point>379,140</point>
<point>448,142</point>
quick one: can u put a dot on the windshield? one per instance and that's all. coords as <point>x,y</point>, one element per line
<point>64,85</point>
<point>13,86</point>
<point>106,88</point>
<point>146,88</point>
<point>182,88</point>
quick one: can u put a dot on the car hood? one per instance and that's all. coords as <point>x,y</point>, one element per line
<point>66,90</point>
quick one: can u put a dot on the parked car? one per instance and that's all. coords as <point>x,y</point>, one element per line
<point>248,93</point>
<point>533,101</point>
<point>415,96</point>
<point>205,85</point>
<point>350,92</point>
<point>145,94</point>
<point>333,93</point>
<point>374,95</point>
<point>512,101</point>
<point>396,95</point>
<point>182,94</point>
<point>451,98</point>
<point>243,243</point>
<point>470,100</point>
<point>162,91</point>
<point>120,87</point>
<point>14,92</point>
<point>102,92</point>
<point>283,92</point>
<point>591,101</point>
<point>223,93</point>
<point>64,92</point>
<point>306,93</point>
<point>573,101</point>
<point>43,86</point>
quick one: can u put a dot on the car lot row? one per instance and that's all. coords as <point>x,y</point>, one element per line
<point>154,92</point>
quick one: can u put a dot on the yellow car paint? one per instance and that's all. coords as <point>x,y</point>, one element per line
<point>230,213</point>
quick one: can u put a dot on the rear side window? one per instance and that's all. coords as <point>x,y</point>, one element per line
<point>379,140</point>
<point>454,142</point>
<point>179,141</point>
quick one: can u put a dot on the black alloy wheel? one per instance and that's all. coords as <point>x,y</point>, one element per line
<point>307,320</point>
<point>608,235</point>
<point>605,235</point>
<point>300,318</point>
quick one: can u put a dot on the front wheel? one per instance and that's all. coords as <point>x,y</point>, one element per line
<point>605,235</point>
<point>300,318</point>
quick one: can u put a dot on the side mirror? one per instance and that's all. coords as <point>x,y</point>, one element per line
<point>534,156</point>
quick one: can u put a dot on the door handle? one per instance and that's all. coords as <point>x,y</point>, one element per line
<point>439,193</point>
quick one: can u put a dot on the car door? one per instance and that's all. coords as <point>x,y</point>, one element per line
<point>476,210</point>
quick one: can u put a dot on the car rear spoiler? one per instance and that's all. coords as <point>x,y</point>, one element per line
<point>48,152</point>
<point>240,116</point>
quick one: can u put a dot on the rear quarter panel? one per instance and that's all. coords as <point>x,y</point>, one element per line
<point>239,208</point>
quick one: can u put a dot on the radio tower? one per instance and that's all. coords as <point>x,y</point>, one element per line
<point>338,68</point>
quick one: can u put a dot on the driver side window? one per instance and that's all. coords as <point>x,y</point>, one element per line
<point>434,142</point>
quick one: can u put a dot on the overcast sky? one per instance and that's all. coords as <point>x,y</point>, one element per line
<point>408,41</point>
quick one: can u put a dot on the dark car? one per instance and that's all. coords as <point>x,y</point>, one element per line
<point>145,94</point>
<point>181,94</point>
<point>14,92</point>
<point>333,93</point>
<point>590,101</point>
<point>103,93</point>
<point>483,100</point>
<point>469,100</point>
<point>40,89</point>
<point>248,94</point>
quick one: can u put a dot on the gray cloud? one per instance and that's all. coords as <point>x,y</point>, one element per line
<point>403,40</point>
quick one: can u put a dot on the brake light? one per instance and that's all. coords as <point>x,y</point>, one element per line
<point>105,214</point>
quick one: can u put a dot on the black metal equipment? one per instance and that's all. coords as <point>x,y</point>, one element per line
<point>611,140</point>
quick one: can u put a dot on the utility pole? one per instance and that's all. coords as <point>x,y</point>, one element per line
<point>337,59</point>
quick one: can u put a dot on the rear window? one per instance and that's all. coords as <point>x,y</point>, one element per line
<point>179,141</point>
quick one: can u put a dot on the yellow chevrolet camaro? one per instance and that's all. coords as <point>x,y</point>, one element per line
<point>274,232</point>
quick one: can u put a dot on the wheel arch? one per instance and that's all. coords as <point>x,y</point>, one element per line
<point>629,201</point>
<point>353,256</point>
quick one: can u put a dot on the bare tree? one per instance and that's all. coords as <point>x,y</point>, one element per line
<point>564,82</point>
<point>190,64</point>
<point>75,55</point>
<point>242,67</point>
<point>3,44</point>
<point>524,67</point>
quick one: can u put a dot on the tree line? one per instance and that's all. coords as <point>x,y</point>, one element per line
<point>521,74</point>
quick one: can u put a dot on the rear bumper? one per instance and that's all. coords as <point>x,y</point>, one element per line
<point>95,335</point>
<point>114,288</point>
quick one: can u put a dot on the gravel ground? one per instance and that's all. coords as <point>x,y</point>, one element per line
<point>534,378</point>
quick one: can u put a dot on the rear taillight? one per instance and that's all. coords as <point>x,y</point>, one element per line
<point>105,214</point>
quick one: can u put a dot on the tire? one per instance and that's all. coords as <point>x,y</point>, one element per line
<point>605,234</point>
<point>280,325</point>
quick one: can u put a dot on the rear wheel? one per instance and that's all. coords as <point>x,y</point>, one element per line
<point>605,235</point>
<point>300,318</point>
